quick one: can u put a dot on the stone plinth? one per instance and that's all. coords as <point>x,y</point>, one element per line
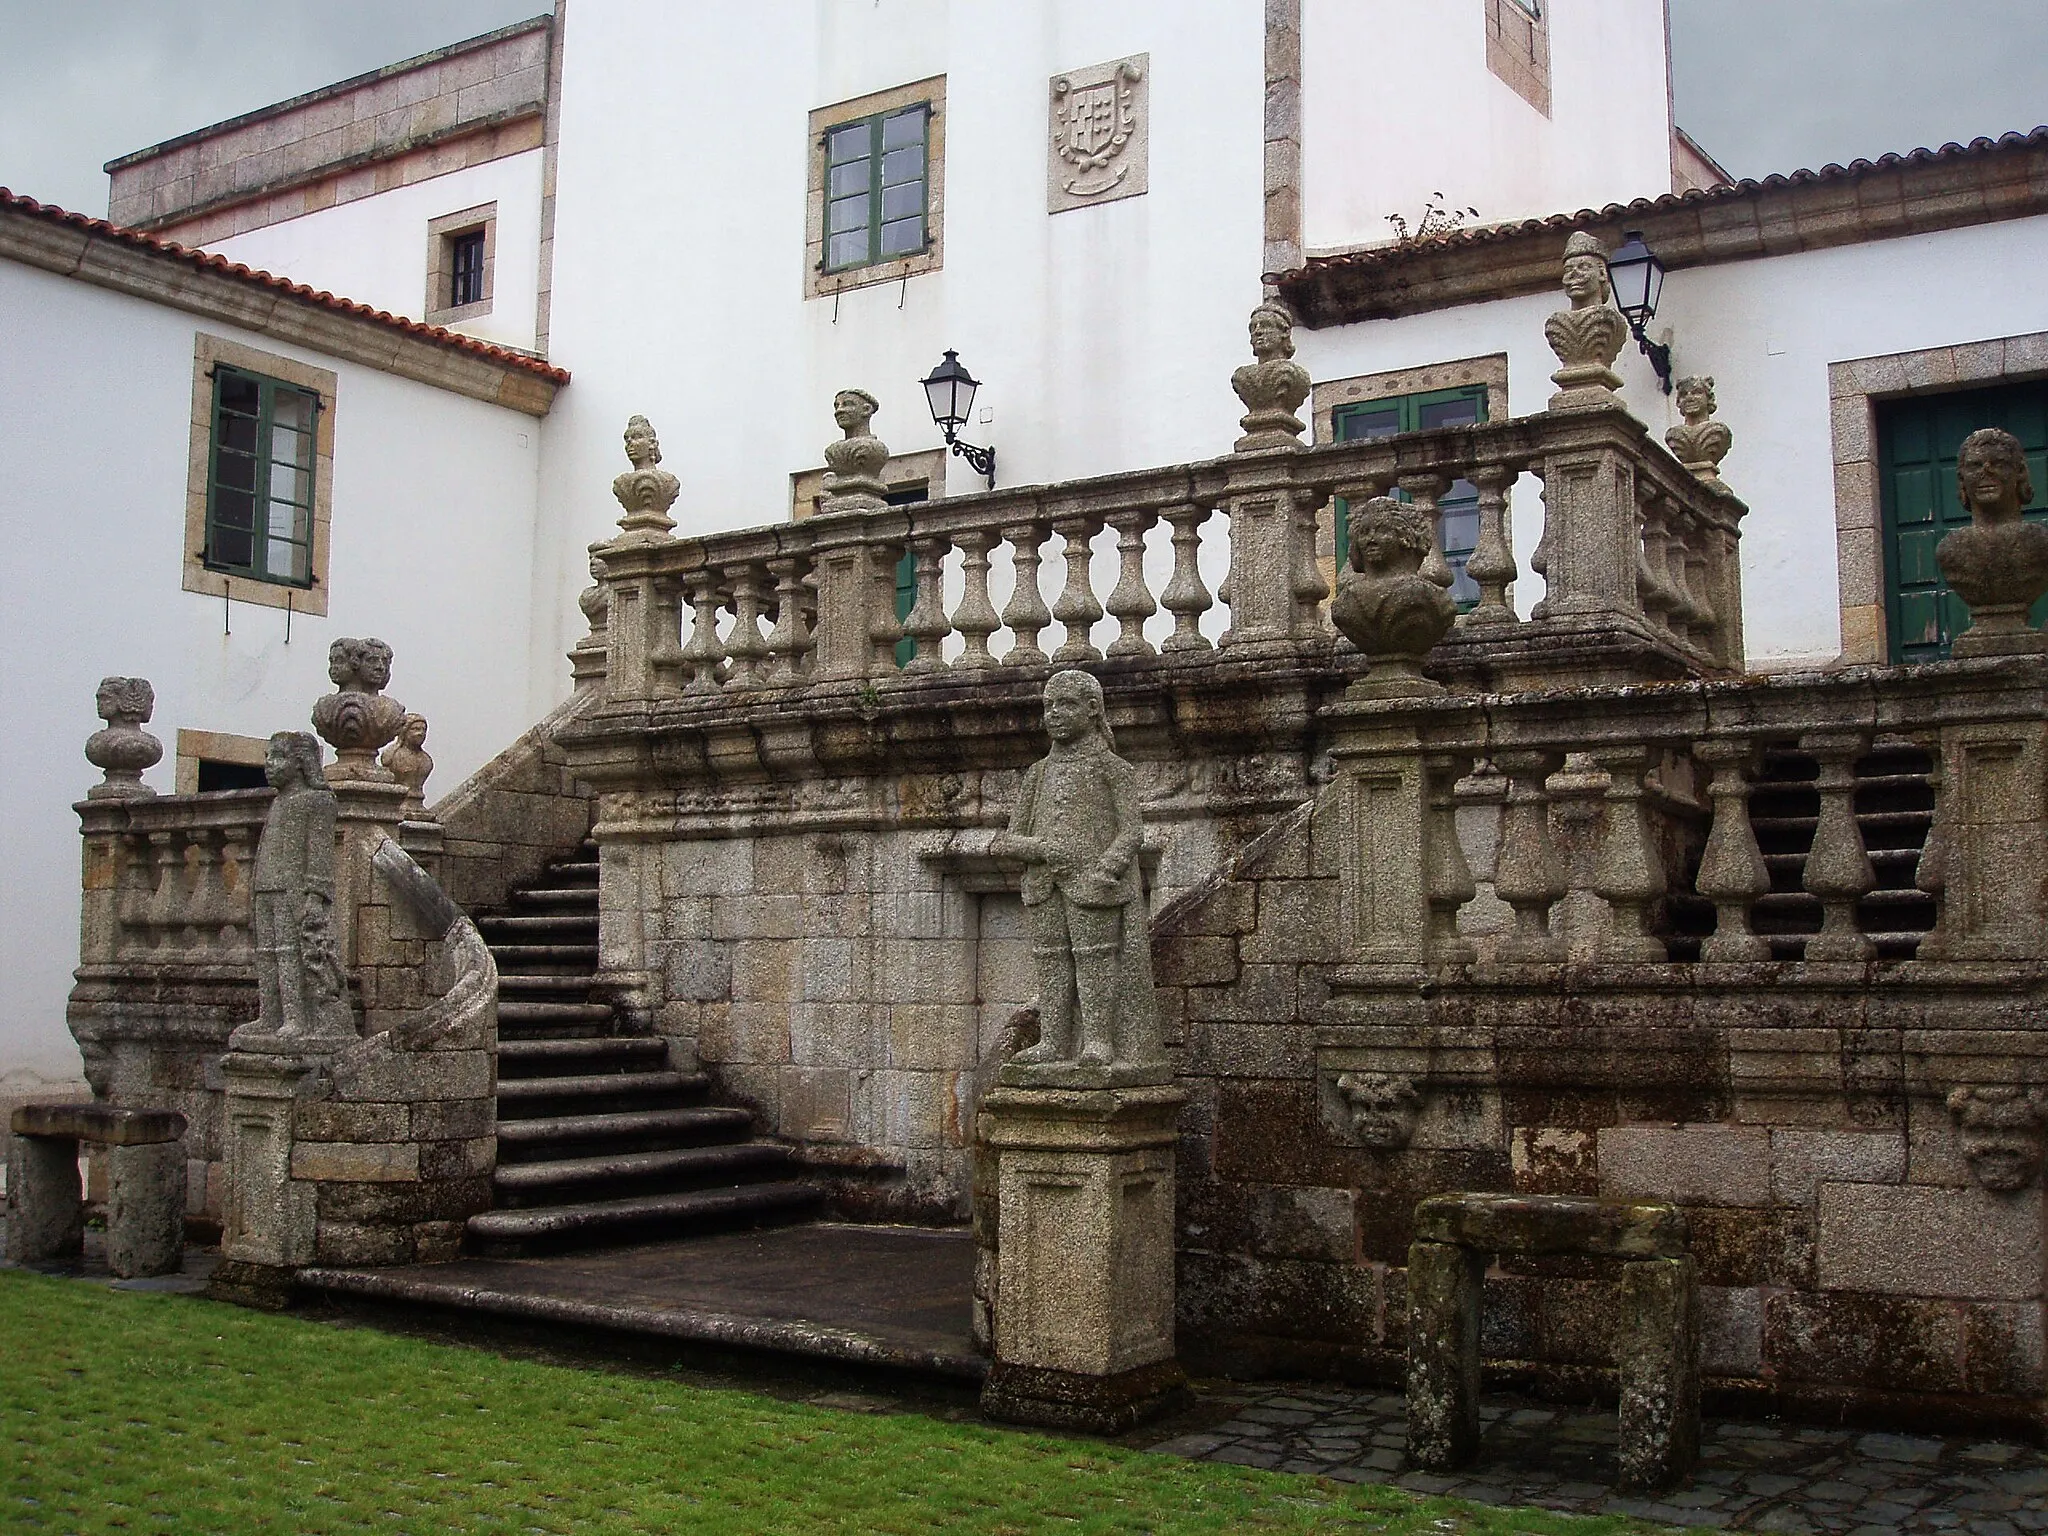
<point>1084,1313</point>
<point>267,1227</point>
<point>145,1186</point>
<point>1657,1343</point>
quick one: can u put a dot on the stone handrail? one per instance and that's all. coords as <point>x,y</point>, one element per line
<point>1633,546</point>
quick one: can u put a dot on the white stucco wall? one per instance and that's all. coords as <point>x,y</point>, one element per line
<point>374,250</point>
<point>432,551</point>
<point>1766,331</point>
<point>1105,336</point>
<point>1398,104</point>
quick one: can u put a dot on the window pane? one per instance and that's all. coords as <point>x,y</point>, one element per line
<point>239,392</point>
<point>285,443</point>
<point>1364,422</point>
<point>847,250</point>
<point>1446,413</point>
<point>235,472</point>
<point>234,510</point>
<point>903,202</point>
<point>231,546</point>
<point>849,143</point>
<point>281,560</point>
<point>286,485</point>
<point>902,236</point>
<point>847,213</point>
<point>849,180</point>
<point>904,128</point>
<point>236,432</point>
<point>903,165</point>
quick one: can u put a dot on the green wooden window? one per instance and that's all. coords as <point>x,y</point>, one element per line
<point>876,172</point>
<point>1918,440</point>
<point>906,568</point>
<point>259,488</point>
<point>1458,511</point>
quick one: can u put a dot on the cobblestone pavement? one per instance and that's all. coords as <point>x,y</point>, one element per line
<point>1751,1477</point>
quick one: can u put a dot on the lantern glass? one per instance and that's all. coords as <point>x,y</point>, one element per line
<point>949,388</point>
<point>1638,279</point>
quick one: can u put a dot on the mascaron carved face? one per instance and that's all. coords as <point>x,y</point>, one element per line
<point>1384,1108</point>
<point>1991,476</point>
<point>1585,279</point>
<point>129,699</point>
<point>642,446</point>
<point>365,663</point>
<point>1695,398</point>
<point>853,410</point>
<point>2001,1131</point>
<point>1272,334</point>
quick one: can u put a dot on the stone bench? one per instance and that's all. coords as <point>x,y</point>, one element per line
<point>1657,1327</point>
<point>145,1186</point>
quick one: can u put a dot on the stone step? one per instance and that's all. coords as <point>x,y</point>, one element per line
<point>539,1057</point>
<point>574,871</point>
<point>553,1013</point>
<point>544,959</point>
<point>529,985</point>
<point>545,925</point>
<point>559,1180</point>
<point>645,1130</point>
<point>557,896</point>
<point>639,1218</point>
<point>522,1097</point>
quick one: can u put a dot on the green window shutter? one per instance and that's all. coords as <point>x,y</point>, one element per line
<point>259,492</point>
<point>1918,440</point>
<point>1458,511</point>
<point>877,171</point>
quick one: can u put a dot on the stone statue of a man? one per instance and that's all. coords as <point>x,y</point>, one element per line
<point>1077,831</point>
<point>303,995</point>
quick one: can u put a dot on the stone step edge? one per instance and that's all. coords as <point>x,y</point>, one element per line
<point>533,1222</point>
<point>601,1084</point>
<point>625,1122</point>
<point>778,1336</point>
<point>534,1177</point>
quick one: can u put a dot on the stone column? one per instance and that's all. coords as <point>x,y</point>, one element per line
<point>1658,1348</point>
<point>1084,1325</point>
<point>1444,1286</point>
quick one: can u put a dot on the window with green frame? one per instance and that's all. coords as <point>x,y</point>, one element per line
<point>259,487</point>
<point>876,175</point>
<point>1458,510</point>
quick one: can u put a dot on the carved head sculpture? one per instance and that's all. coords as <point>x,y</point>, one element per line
<point>1388,538</point>
<point>1696,397</point>
<point>853,409</point>
<point>1991,476</point>
<point>359,664</point>
<point>1272,329</point>
<point>1073,708</point>
<point>2001,1131</point>
<point>1585,271</point>
<point>413,732</point>
<point>1384,1107</point>
<point>291,759</point>
<point>125,700</point>
<point>596,563</point>
<point>643,448</point>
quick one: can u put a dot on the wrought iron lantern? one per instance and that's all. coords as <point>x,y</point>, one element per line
<point>949,389</point>
<point>1637,277</point>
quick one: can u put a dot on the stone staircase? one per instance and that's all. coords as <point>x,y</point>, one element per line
<point>600,1140</point>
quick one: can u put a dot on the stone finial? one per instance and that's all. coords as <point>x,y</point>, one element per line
<point>1383,1106</point>
<point>1700,443</point>
<point>645,491</point>
<point>1999,564</point>
<point>1385,606</point>
<point>124,748</point>
<point>406,760</point>
<point>1273,387</point>
<point>356,719</point>
<point>853,465</point>
<point>301,989</point>
<point>1076,830</point>
<point>1588,337</point>
<point>2001,1128</point>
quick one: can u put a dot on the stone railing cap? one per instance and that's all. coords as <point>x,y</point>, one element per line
<point>106,1124</point>
<point>1548,1224</point>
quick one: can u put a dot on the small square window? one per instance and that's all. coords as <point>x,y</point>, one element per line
<point>877,186</point>
<point>461,252</point>
<point>259,499</point>
<point>466,268</point>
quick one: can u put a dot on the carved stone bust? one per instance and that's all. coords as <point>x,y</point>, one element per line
<point>1384,1108</point>
<point>1999,564</point>
<point>407,761</point>
<point>357,719</point>
<point>124,749</point>
<point>592,600</point>
<point>1699,443</point>
<point>646,490</point>
<point>2001,1131</point>
<point>1272,387</point>
<point>853,465</point>
<point>1385,606</point>
<point>1588,337</point>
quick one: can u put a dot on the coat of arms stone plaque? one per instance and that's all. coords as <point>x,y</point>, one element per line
<point>1100,131</point>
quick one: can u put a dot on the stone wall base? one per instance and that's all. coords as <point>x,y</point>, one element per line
<point>267,1287</point>
<point>1097,1405</point>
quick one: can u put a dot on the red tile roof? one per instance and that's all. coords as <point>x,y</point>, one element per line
<point>220,265</point>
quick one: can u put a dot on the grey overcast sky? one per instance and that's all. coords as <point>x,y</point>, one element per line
<point>1764,85</point>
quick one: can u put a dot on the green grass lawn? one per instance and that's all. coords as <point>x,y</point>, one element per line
<point>123,1411</point>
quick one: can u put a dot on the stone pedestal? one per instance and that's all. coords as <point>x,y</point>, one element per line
<point>145,1152</point>
<point>1084,1312</point>
<point>268,1226</point>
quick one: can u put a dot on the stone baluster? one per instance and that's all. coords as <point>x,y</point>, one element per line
<point>1685,614</point>
<point>1492,565</point>
<point>1699,587</point>
<point>926,623</point>
<point>1185,597</point>
<point>1837,867</point>
<point>1653,592</point>
<point>1447,882</point>
<point>789,640</point>
<point>237,864</point>
<point>206,913</point>
<point>1627,872</point>
<point>1076,607</point>
<point>1423,493</point>
<point>704,654</point>
<point>1310,590</point>
<point>1930,875</point>
<point>975,619</point>
<point>1528,875</point>
<point>136,872</point>
<point>885,629</point>
<point>1732,870</point>
<point>745,645</point>
<point>1130,601</point>
<point>1025,613</point>
<point>166,909</point>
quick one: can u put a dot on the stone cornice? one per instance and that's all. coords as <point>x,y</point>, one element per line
<point>1958,185</point>
<point>129,262</point>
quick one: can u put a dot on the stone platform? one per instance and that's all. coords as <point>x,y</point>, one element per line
<point>894,1299</point>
